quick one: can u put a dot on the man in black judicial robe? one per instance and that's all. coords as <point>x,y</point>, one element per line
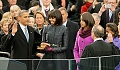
<point>97,49</point>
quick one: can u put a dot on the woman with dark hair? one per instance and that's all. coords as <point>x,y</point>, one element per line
<point>83,37</point>
<point>112,32</point>
<point>55,42</point>
<point>55,36</point>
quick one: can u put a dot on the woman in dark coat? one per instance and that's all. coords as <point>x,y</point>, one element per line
<point>56,35</point>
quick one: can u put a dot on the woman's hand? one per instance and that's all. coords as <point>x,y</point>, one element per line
<point>109,38</point>
<point>40,55</point>
<point>43,45</point>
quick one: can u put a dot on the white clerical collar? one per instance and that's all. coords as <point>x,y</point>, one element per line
<point>65,23</point>
<point>98,39</point>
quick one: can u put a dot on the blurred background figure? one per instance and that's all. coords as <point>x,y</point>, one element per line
<point>106,12</point>
<point>96,18</point>
<point>1,11</point>
<point>1,5</point>
<point>24,3</point>
<point>32,22</point>
<point>62,3</point>
<point>6,8</point>
<point>3,28</point>
<point>15,9</point>
<point>9,16</point>
<point>34,6</point>
<point>86,5</point>
<point>96,5</point>
<point>73,10</point>
<point>46,7</point>
<point>73,28</point>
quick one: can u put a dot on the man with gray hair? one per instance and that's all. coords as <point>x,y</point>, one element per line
<point>99,47</point>
<point>96,18</point>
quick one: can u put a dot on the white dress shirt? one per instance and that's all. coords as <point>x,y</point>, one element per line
<point>98,39</point>
<point>65,23</point>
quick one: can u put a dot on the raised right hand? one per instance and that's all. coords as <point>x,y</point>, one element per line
<point>102,9</point>
<point>14,28</point>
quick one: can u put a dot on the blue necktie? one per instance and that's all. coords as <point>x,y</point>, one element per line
<point>26,34</point>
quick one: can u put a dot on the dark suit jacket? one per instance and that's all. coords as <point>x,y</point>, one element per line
<point>116,16</point>
<point>1,14</point>
<point>59,3</point>
<point>56,35</point>
<point>21,49</point>
<point>7,8</point>
<point>104,18</point>
<point>96,9</point>
<point>73,28</point>
<point>97,49</point>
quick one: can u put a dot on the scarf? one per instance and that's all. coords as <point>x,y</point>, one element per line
<point>85,33</point>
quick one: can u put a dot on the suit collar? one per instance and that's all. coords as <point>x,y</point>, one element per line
<point>68,23</point>
<point>20,32</point>
<point>65,24</point>
<point>98,39</point>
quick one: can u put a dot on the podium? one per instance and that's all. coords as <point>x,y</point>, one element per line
<point>7,64</point>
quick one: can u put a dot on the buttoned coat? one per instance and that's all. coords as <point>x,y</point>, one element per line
<point>79,46</point>
<point>21,49</point>
<point>56,35</point>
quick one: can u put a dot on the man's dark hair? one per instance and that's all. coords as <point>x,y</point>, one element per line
<point>113,27</point>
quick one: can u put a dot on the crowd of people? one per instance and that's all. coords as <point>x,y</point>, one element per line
<point>60,29</point>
